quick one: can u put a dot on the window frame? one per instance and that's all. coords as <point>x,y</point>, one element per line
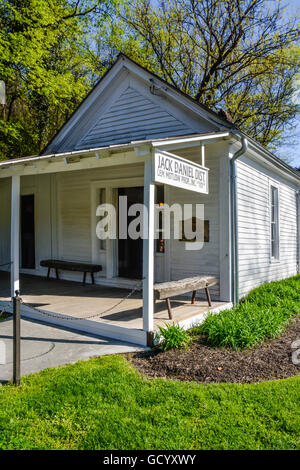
<point>274,258</point>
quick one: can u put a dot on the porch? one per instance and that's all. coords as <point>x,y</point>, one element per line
<point>59,196</point>
<point>72,305</point>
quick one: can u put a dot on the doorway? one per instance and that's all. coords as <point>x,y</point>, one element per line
<point>130,252</point>
<point>27,232</point>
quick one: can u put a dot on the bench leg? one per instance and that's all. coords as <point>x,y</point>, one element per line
<point>56,272</point>
<point>48,273</point>
<point>194,296</point>
<point>84,278</point>
<point>208,296</point>
<point>92,276</point>
<point>169,308</point>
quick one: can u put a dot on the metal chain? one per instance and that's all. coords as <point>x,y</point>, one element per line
<point>4,307</point>
<point>99,314</point>
<point>7,305</point>
<point>6,264</point>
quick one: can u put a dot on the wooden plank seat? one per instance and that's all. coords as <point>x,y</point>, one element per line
<point>71,266</point>
<point>165,290</point>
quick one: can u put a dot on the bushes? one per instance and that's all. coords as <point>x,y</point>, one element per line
<point>4,315</point>
<point>263,314</point>
<point>173,337</point>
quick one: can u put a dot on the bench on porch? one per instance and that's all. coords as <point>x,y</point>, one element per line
<point>165,290</point>
<point>71,266</point>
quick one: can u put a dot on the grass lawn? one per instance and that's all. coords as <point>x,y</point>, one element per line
<point>105,403</point>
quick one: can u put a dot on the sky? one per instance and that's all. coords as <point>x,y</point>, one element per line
<point>292,151</point>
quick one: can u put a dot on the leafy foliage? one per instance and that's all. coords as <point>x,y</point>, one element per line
<point>241,56</point>
<point>46,66</point>
<point>173,337</point>
<point>263,314</point>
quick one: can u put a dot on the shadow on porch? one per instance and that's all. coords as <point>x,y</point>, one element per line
<point>98,303</point>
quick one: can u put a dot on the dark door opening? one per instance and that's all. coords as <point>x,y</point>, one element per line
<point>130,252</point>
<point>27,232</point>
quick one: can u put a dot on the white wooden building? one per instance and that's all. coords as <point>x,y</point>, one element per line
<point>108,147</point>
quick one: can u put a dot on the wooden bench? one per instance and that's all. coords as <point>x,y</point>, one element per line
<point>165,290</point>
<point>71,266</point>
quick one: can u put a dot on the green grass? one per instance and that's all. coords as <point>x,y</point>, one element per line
<point>105,403</point>
<point>263,314</point>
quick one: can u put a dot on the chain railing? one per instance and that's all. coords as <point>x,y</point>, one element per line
<point>3,308</point>
<point>88,317</point>
<point>6,264</point>
<point>62,317</point>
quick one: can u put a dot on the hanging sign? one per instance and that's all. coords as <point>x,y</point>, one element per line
<point>176,171</point>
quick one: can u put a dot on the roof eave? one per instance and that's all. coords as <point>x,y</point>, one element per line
<point>117,147</point>
<point>268,155</point>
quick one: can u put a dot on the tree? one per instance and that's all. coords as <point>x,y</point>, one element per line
<point>239,55</point>
<point>46,67</point>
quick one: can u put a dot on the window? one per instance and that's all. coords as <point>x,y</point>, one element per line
<point>194,226</point>
<point>274,223</point>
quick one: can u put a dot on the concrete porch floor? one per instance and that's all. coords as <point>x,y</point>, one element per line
<point>75,300</point>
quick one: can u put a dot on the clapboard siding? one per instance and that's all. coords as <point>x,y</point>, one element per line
<point>64,224</point>
<point>40,187</point>
<point>123,107</point>
<point>74,218</point>
<point>132,117</point>
<point>255,265</point>
<point>184,263</point>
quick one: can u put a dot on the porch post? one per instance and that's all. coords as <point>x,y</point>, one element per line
<point>110,252</point>
<point>298,229</point>
<point>15,234</point>
<point>202,155</point>
<point>148,247</point>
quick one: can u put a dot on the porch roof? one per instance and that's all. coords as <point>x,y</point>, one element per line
<point>141,148</point>
<point>181,139</point>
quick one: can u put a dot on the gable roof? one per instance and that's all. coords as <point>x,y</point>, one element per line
<point>182,98</point>
<point>159,89</point>
<point>132,117</point>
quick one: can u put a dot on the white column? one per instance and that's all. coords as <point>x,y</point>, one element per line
<point>298,228</point>
<point>202,155</point>
<point>148,247</point>
<point>15,234</point>
<point>110,243</point>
